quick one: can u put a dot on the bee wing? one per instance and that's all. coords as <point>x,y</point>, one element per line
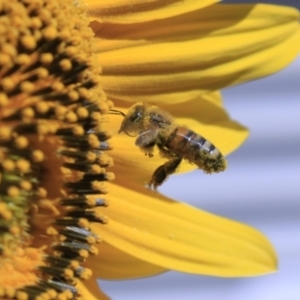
<point>159,119</point>
<point>147,138</point>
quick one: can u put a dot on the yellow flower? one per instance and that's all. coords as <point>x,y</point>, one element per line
<point>56,227</point>
<point>178,54</point>
<point>52,150</point>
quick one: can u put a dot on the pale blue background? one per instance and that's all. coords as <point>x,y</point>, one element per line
<point>261,188</point>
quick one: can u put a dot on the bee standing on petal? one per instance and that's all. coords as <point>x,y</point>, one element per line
<point>155,127</point>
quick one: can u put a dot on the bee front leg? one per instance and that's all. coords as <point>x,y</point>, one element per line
<point>148,150</point>
<point>162,172</point>
<point>146,141</point>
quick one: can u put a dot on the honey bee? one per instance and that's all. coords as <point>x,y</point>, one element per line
<point>155,127</point>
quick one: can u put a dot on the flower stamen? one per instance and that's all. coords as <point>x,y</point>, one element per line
<point>51,149</point>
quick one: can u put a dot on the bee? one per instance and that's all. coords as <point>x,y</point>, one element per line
<point>155,127</point>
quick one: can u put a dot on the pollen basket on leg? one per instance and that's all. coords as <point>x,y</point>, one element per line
<point>52,149</point>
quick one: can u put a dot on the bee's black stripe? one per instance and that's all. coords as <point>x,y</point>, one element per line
<point>201,141</point>
<point>188,138</point>
<point>211,148</point>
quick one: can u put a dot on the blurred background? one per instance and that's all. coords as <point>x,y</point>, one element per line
<point>261,188</point>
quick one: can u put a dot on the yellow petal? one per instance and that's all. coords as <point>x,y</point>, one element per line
<point>128,11</point>
<point>196,52</point>
<point>113,263</point>
<point>176,236</point>
<point>206,116</point>
<point>90,290</point>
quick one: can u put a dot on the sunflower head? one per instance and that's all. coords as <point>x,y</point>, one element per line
<point>51,149</point>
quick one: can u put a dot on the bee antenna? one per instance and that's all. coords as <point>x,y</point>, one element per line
<point>116,112</point>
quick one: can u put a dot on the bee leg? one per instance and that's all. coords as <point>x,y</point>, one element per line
<point>162,172</point>
<point>148,150</point>
<point>146,141</point>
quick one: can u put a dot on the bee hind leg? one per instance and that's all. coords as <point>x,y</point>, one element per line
<point>163,171</point>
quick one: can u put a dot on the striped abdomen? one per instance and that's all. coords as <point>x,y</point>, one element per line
<point>196,149</point>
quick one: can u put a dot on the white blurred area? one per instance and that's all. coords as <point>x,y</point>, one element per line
<point>261,188</point>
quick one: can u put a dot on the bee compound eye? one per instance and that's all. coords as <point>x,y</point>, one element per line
<point>131,130</point>
<point>131,134</point>
<point>135,116</point>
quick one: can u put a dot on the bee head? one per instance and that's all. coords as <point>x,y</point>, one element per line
<point>133,120</point>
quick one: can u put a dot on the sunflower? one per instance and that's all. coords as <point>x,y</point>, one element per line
<point>59,230</point>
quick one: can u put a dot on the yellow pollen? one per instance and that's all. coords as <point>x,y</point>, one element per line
<point>52,128</point>
<point>74,264</point>
<point>5,213</point>
<point>71,117</point>
<point>38,156</point>
<point>52,293</point>
<point>65,64</point>
<point>3,98</point>
<point>5,60</point>
<point>68,274</point>
<point>41,192</point>
<point>105,107</point>
<point>71,50</point>
<point>51,231</point>
<point>27,86</point>
<point>58,86</point>
<point>42,72</point>
<point>83,253</point>
<point>68,295</point>
<point>23,165</point>
<point>9,49</point>
<point>83,92</point>
<point>110,162</point>
<point>83,223</point>
<point>23,59</point>
<point>96,169</point>
<point>100,186</point>
<point>78,130</point>
<point>26,185</point>
<point>27,113</point>
<point>10,292</point>
<point>46,58</point>
<point>91,156</point>
<point>104,159</point>
<point>96,116</point>
<point>49,32</point>
<point>86,274</point>
<point>82,112</point>
<point>8,84</point>
<point>15,230</point>
<point>94,250</point>
<point>73,95</point>
<point>91,240</point>
<point>60,112</point>
<point>5,133</point>
<point>93,140</point>
<point>50,205</point>
<point>110,176</point>
<point>22,296</point>
<point>36,23</point>
<point>28,42</point>
<point>43,129</point>
<point>8,165</point>
<point>13,191</point>
<point>21,142</point>
<point>42,107</point>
